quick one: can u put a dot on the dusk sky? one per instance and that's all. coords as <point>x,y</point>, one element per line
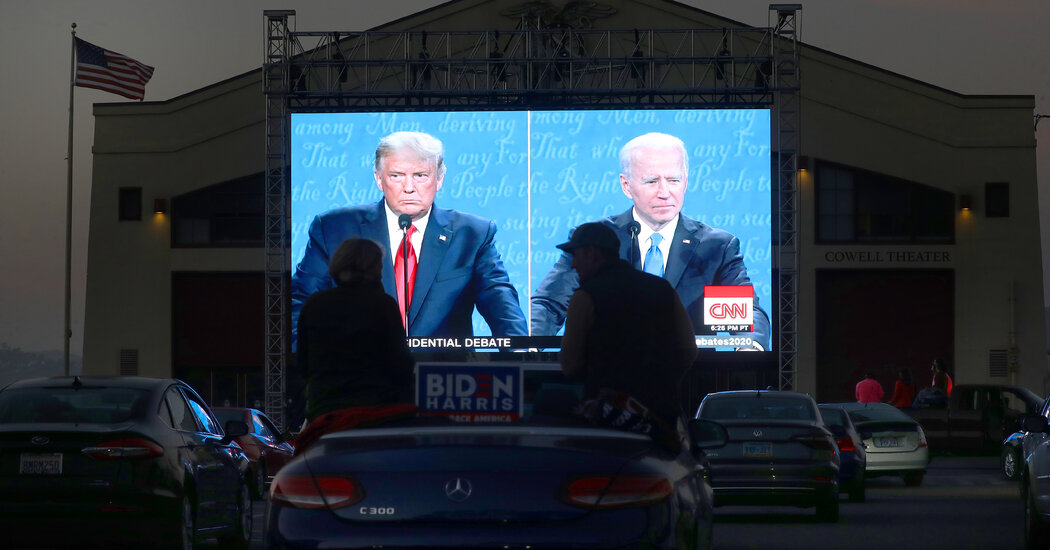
<point>967,46</point>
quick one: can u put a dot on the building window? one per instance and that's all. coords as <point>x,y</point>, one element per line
<point>857,206</point>
<point>130,205</point>
<point>997,199</point>
<point>228,214</point>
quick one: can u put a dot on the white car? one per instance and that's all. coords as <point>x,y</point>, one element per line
<point>893,441</point>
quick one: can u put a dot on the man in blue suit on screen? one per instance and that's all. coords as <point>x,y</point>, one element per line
<point>451,265</point>
<point>658,239</point>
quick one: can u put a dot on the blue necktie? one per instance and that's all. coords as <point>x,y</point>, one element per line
<point>654,259</point>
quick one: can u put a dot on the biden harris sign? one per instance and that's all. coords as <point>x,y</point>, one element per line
<point>470,392</point>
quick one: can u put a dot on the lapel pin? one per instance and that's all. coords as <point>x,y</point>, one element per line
<point>441,237</point>
<point>685,241</point>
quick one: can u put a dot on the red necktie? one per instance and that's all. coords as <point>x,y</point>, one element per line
<point>399,272</point>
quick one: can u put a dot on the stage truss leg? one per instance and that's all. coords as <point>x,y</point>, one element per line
<point>275,88</point>
<point>784,19</point>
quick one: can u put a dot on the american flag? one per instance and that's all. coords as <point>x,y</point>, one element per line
<point>110,71</point>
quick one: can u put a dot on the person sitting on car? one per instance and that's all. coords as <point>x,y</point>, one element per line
<point>626,332</point>
<point>352,348</point>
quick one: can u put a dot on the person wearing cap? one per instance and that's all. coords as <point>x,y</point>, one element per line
<point>453,264</point>
<point>626,330</point>
<point>656,237</point>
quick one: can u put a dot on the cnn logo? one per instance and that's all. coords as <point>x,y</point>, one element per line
<point>729,305</point>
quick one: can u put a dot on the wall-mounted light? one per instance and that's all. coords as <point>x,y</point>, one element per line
<point>803,162</point>
<point>160,206</point>
<point>965,203</point>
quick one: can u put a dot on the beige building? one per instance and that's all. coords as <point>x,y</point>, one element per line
<point>918,228</point>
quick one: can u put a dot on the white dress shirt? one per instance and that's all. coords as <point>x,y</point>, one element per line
<point>397,234</point>
<point>645,235</point>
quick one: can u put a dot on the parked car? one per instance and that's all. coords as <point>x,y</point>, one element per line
<point>1035,482</point>
<point>977,416</point>
<point>540,482</point>
<point>1010,460</point>
<point>779,451</point>
<point>266,448</point>
<point>1034,476</point>
<point>111,460</point>
<point>894,442</point>
<point>853,459</point>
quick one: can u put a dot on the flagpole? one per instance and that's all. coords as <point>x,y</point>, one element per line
<point>69,194</point>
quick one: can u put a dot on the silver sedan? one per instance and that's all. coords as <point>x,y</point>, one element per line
<point>894,442</point>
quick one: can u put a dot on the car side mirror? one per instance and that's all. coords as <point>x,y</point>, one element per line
<point>707,434</point>
<point>1033,423</point>
<point>234,429</point>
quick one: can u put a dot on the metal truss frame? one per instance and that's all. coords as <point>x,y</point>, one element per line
<point>529,68</point>
<point>784,19</point>
<point>275,73</point>
<point>524,68</point>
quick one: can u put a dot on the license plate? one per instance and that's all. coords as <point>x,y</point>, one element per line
<point>758,449</point>
<point>40,463</point>
<point>887,442</point>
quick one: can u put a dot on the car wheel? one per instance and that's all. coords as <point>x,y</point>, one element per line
<point>259,483</point>
<point>183,529</point>
<point>913,479</point>
<point>828,510</point>
<point>1036,533</point>
<point>1008,461</point>
<point>241,536</point>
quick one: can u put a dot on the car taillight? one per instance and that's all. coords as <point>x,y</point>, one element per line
<point>124,448</point>
<point>818,442</point>
<point>846,444</point>
<point>922,437</point>
<point>616,492</point>
<point>304,491</point>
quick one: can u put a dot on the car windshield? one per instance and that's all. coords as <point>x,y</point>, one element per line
<point>751,407</point>
<point>833,418</point>
<point>85,405</point>
<point>877,412</point>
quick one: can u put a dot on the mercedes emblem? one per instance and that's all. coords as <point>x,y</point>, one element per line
<point>458,490</point>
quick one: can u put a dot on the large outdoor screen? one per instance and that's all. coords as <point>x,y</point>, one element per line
<point>536,175</point>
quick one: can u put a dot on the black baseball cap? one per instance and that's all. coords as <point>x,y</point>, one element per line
<point>595,234</point>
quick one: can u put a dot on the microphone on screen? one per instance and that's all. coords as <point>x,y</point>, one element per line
<point>633,228</point>
<point>404,221</point>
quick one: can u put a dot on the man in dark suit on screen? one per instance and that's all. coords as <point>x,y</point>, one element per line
<point>452,264</point>
<point>657,239</point>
